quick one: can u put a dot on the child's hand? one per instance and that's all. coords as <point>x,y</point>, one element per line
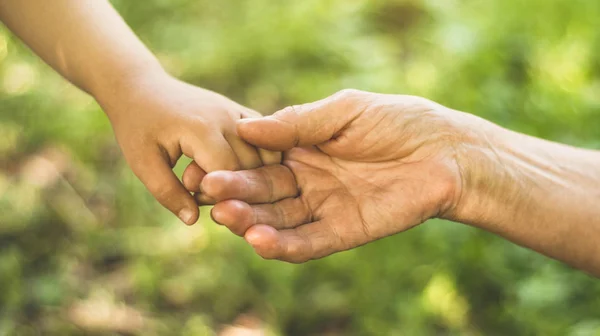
<point>158,118</point>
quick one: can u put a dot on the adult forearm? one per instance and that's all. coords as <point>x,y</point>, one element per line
<point>84,40</point>
<point>536,193</point>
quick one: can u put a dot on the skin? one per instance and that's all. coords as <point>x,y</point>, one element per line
<point>156,118</point>
<point>360,166</point>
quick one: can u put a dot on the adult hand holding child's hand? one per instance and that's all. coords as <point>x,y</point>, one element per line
<point>360,166</point>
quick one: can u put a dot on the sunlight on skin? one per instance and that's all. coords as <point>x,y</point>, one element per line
<point>156,117</point>
<point>361,166</point>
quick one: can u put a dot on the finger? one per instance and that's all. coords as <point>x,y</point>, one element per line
<point>156,174</point>
<point>306,242</point>
<point>266,184</point>
<point>202,199</point>
<point>239,216</point>
<point>192,177</point>
<point>269,157</point>
<point>211,153</point>
<point>303,125</point>
<point>247,155</point>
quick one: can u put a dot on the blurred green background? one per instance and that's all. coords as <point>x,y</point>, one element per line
<point>84,249</point>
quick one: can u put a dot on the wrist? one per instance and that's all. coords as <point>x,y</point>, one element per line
<point>491,188</point>
<point>123,84</point>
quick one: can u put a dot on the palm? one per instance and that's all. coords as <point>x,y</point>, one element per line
<point>378,169</point>
<point>358,202</point>
<point>323,204</point>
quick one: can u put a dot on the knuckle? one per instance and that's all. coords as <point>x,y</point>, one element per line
<point>348,94</point>
<point>199,122</point>
<point>351,99</point>
<point>228,162</point>
<point>267,182</point>
<point>288,113</point>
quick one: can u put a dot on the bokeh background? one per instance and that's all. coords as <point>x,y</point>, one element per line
<point>84,249</point>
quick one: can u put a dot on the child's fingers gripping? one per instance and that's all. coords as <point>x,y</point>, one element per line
<point>269,157</point>
<point>211,152</point>
<point>154,170</point>
<point>192,177</point>
<point>247,154</point>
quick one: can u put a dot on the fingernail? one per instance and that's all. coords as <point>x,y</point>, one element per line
<point>186,215</point>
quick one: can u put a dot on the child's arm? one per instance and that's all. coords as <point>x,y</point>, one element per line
<point>85,40</point>
<point>156,118</point>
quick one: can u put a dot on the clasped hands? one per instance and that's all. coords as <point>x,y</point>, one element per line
<point>356,167</point>
<point>331,175</point>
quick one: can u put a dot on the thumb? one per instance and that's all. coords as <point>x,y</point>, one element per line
<point>302,125</point>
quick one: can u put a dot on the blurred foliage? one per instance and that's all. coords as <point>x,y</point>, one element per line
<point>84,249</point>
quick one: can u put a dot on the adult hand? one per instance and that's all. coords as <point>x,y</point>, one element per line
<point>359,166</point>
<point>157,118</point>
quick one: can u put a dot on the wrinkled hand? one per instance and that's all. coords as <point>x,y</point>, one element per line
<point>358,166</point>
<point>158,118</point>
